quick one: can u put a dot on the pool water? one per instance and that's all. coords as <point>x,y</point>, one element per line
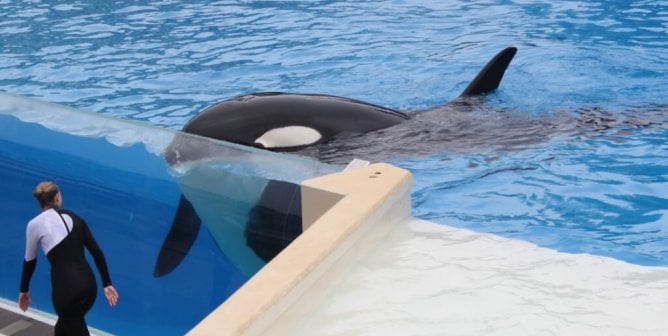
<point>604,196</point>
<point>600,189</point>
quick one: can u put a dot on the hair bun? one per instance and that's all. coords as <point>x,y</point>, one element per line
<point>45,192</point>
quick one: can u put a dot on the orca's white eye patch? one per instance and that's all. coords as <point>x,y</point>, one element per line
<point>289,136</point>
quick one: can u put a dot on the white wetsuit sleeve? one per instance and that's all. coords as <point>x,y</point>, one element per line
<point>32,241</point>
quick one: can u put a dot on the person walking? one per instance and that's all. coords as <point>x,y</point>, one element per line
<point>63,236</point>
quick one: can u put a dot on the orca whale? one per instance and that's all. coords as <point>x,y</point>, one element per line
<point>290,121</point>
<point>285,122</point>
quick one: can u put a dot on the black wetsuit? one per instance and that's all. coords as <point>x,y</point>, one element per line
<point>74,287</point>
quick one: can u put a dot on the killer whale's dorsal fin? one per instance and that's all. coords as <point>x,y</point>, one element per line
<point>489,78</point>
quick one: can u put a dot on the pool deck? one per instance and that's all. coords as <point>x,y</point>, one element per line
<point>15,324</point>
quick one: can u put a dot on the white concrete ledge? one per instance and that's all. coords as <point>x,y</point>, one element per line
<point>343,213</point>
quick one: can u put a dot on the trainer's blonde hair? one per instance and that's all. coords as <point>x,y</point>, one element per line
<point>45,193</point>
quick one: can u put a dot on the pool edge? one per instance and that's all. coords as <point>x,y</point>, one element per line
<point>342,208</point>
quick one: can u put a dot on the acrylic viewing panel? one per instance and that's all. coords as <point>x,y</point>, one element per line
<point>114,174</point>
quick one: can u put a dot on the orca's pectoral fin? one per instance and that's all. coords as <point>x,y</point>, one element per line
<point>489,78</point>
<point>179,240</point>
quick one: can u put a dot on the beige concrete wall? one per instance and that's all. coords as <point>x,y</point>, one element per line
<point>344,213</point>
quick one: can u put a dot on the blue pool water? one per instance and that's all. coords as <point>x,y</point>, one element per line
<point>600,191</point>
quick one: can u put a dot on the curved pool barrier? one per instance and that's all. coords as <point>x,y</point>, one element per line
<point>344,214</point>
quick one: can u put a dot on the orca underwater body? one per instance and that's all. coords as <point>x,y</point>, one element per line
<point>283,122</point>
